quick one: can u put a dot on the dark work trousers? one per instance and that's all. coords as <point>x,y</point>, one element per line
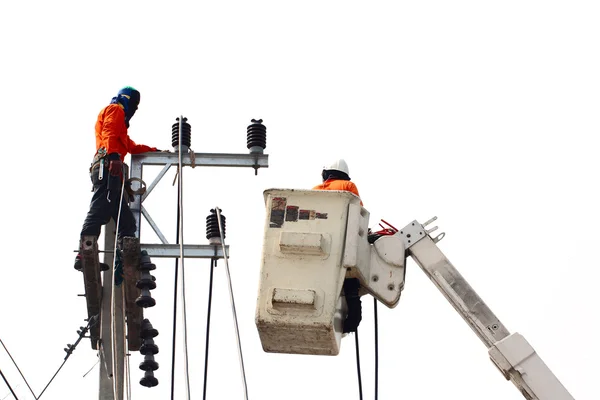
<point>102,210</point>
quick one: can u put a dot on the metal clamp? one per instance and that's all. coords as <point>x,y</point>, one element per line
<point>141,190</point>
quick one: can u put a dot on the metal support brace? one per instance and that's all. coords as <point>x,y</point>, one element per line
<point>138,161</point>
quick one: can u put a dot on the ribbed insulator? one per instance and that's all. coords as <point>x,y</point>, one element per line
<point>148,347</point>
<point>147,281</point>
<point>186,135</point>
<point>147,266</point>
<point>149,380</point>
<point>257,136</point>
<point>149,364</point>
<point>145,300</point>
<point>212,225</point>
<point>147,331</point>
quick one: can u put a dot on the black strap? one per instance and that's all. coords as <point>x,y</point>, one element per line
<point>351,288</point>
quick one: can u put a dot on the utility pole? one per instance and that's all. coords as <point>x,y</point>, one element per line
<point>106,391</point>
<point>181,157</point>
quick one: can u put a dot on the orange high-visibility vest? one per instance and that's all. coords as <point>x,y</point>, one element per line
<point>111,133</point>
<point>338,184</point>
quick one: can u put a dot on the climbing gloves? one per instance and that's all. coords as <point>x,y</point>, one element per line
<point>115,168</point>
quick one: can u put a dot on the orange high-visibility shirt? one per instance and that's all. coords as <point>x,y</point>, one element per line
<point>338,184</point>
<point>111,133</point>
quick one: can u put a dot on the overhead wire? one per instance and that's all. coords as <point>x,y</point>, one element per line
<point>91,322</point>
<point>376,347</point>
<point>175,298</point>
<point>9,387</point>
<point>231,298</point>
<point>16,366</point>
<point>90,370</point>
<point>360,393</point>
<point>213,265</point>
<point>181,254</point>
<point>8,394</point>
<point>115,375</point>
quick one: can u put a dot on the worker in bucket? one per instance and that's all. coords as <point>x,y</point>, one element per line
<point>336,176</point>
<point>106,172</point>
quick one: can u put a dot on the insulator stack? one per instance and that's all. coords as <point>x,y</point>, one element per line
<point>257,137</point>
<point>212,227</point>
<point>148,349</point>
<point>186,135</point>
<point>146,283</point>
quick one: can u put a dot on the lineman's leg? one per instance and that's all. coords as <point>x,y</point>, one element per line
<point>127,225</point>
<point>99,212</point>
<point>100,208</point>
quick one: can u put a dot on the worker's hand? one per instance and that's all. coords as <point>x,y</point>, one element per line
<point>115,168</point>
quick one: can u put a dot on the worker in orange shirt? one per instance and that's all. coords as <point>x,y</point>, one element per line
<point>337,177</point>
<point>106,172</point>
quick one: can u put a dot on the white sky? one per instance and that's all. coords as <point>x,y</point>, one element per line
<point>482,113</point>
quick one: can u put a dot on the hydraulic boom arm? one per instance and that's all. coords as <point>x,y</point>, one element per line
<point>511,353</point>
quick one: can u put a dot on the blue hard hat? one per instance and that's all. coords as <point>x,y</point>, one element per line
<point>132,94</point>
<point>129,98</point>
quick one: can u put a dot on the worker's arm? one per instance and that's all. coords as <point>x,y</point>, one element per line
<point>138,148</point>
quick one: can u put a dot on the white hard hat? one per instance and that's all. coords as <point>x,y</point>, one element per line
<point>338,165</point>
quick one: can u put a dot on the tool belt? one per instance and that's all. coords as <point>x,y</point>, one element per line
<point>98,157</point>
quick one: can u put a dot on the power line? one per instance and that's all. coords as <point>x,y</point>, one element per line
<point>237,330</point>
<point>90,370</point>
<point>358,364</point>
<point>213,264</point>
<point>9,387</point>
<point>18,369</point>
<point>8,394</point>
<point>175,298</point>
<point>70,348</point>
<point>376,348</point>
<point>113,305</point>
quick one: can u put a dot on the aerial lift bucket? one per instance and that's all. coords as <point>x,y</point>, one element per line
<point>313,240</point>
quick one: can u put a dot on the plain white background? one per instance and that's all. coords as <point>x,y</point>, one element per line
<point>481,113</point>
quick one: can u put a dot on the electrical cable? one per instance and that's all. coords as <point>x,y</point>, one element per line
<point>376,348</point>
<point>51,379</point>
<point>15,363</point>
<point>90,370</point>
<point>213,265</point>
<point>237,330</point>
<point>175,292</point>
<point>183,305</point>
<point>9,387</point>
<point>8,394</point>
<point>91,322</point>
<point>360,394</point>
<point>113,306</point>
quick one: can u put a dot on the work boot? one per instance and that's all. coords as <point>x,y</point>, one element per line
<point>123,238</point>
<point>78,262</point>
